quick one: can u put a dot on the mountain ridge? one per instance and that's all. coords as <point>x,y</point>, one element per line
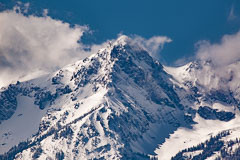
<point>119,103</point>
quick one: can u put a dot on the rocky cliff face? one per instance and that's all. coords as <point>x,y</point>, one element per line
<point>116,104</point>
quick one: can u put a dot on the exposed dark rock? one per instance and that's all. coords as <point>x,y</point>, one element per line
<point>209,113</point>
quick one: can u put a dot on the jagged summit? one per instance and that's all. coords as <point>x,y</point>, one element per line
<point>118,57</point>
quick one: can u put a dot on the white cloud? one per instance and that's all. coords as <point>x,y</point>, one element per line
<point>30,43</point>
<point>221,54</point>
<point>153,45</point>
<point>221,62</point>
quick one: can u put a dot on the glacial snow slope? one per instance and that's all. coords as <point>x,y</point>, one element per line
<point>116,104</point>
<point>215,91</point>
<point>17,129</point>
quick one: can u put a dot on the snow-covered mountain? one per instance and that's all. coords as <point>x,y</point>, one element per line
<point>120,103</point>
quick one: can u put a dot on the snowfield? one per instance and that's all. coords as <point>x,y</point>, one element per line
<point>21,125</point>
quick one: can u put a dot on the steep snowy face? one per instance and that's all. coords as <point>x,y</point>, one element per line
<point>135,67</point>
<point>109,105</point>
<point>141,96</point>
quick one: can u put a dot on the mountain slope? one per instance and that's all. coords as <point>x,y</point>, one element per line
<point>116,104</point>
<point>217,107</point>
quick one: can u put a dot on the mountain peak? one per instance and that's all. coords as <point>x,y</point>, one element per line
<point>123,40</point>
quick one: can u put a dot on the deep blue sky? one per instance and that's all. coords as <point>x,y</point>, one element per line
<point>184,21</point>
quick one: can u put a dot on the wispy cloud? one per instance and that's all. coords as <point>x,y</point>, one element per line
<point>232,15</point>
<point>45,12</point>
<point>21,7</point>
<point>153,45</point>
